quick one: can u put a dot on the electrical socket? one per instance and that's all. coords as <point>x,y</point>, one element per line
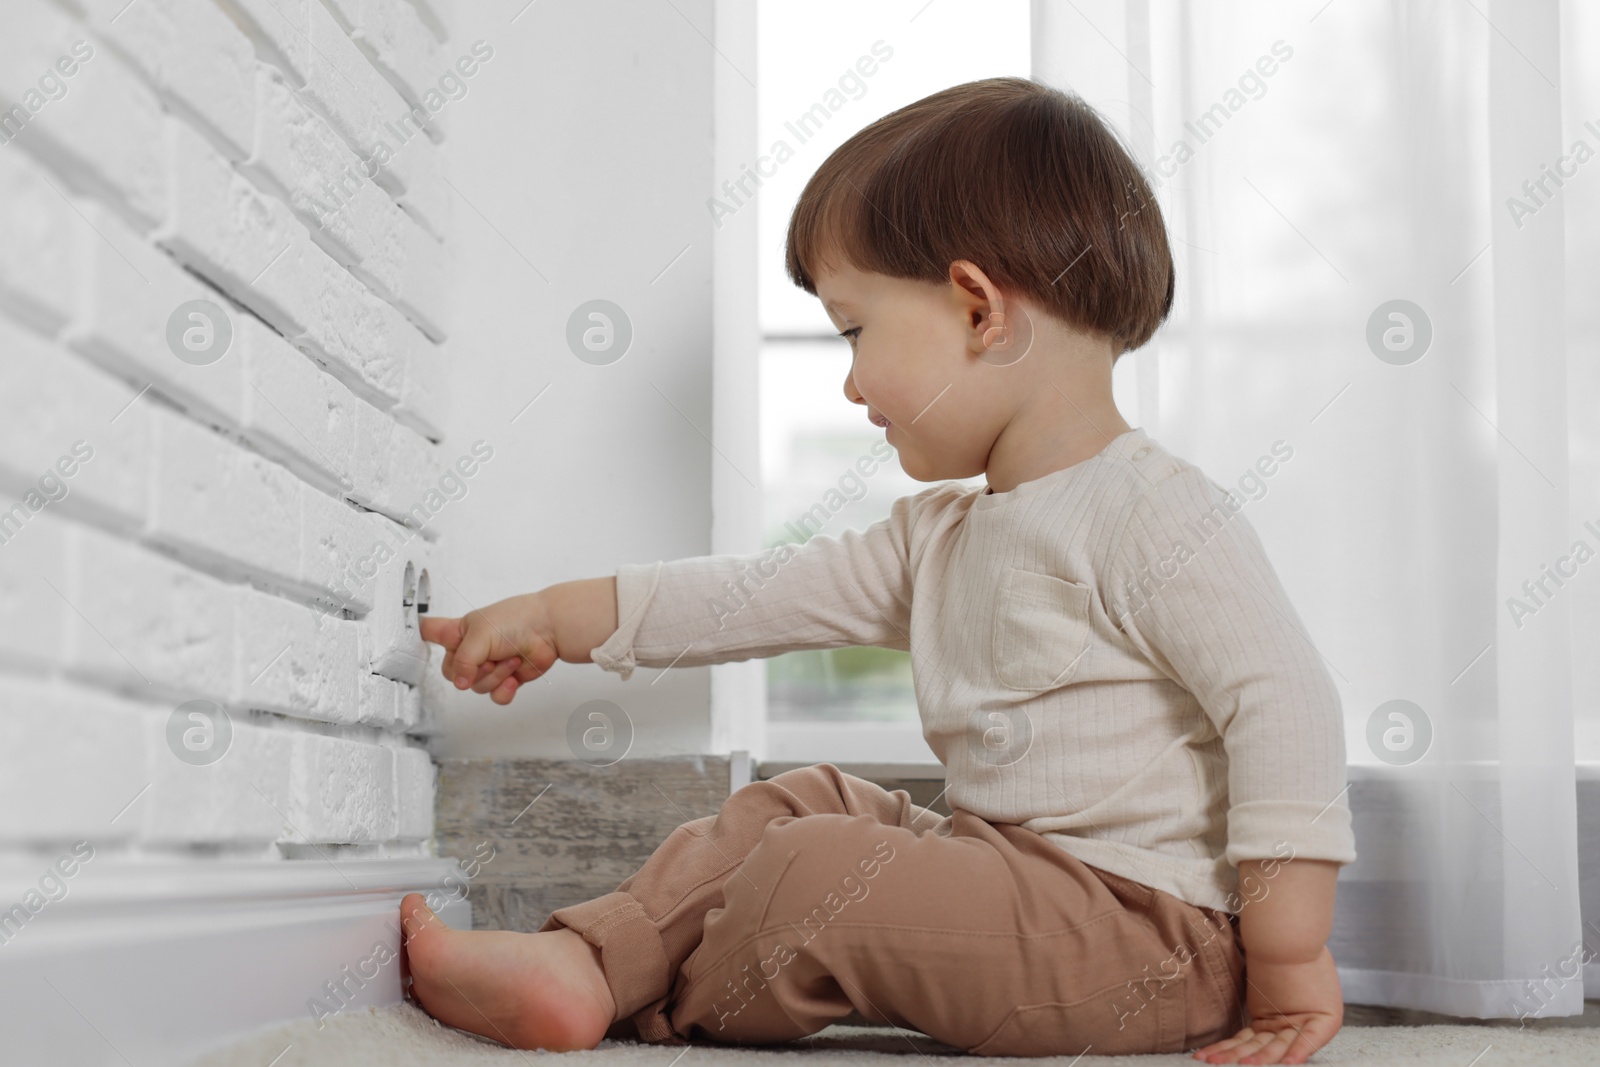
<point>392,637</point>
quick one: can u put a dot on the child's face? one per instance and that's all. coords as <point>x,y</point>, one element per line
<point>917,349</point>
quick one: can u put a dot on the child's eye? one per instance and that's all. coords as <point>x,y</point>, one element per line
<point>850,335</point>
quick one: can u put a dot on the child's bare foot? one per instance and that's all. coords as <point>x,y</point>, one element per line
<point>543,990</point>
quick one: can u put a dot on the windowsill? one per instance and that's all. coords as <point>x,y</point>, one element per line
<point>872,772</point>
<point>1470,770</point>
<point>806,742</point>
<point>874,769</point>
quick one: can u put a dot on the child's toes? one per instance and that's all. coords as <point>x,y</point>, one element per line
<point>417,918</point>
<point>424,949</point>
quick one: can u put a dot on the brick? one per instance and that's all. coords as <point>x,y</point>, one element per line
<point>437,15</point>
<point>71,759</point>
<point>390,343</point>
<point>128,294</point>
<point>252,247</point>
<point>336,541</point>
<point>293,410</point>
<point>237,510</point>
<point>410,713</point>
<point>246,797</point>
<point>394,468</point>
<point>103,132</point>
<point>369,458</point>
<point>414,794</point>
<point>294,661</point>
<point>33,616</point>
<point>228,517</point>
<point>276,394</point>
<point>418,171</point>
<point>425,394</point>
<point>197,60</point>
<point>278,28</point>
<point>36,265</point>
<point>327,68</point>
<point>325,183</point>
<point>224,229</point>
<point>380,700</point>
<point>391,466</point>
<point>56,402</point>
<point>419,271</point>
<point>394,39</point>
<point>342,791</point>
<point>415,465</point>
<point>376,120</point>
<point>434,693</point>
<point>146,622</point>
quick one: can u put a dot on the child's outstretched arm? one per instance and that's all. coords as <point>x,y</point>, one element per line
<point>498,648</point>
<point>830,592</point>
<point>833,591</point>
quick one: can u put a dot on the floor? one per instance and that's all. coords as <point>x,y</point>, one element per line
<point>404,1036</point>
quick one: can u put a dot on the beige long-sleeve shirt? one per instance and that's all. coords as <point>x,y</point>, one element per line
<point>1103,655</point>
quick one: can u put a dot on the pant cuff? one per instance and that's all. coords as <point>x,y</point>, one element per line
<point>631,954</point>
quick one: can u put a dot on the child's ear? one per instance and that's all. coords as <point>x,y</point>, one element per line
<point>996,334</point>
<point>985,304</point>
<point>1008,337</point>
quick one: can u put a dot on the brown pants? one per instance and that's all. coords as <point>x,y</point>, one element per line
<point>816,893</point>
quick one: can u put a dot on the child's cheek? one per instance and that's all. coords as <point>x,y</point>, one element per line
<point>888,387</point>
<point>869,381</point>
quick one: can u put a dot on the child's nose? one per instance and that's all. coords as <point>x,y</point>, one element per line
<point>850,392</point>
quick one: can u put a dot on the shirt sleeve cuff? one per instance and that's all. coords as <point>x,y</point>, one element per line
<point>636,586</point>
<point>1290,829</point>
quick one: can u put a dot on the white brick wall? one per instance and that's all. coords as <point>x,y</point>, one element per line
<point>232,532</point>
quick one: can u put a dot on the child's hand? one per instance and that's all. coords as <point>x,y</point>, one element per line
<point>1295,1009</point>
<point>498,648</point>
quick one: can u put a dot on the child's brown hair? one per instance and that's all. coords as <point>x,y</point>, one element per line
<point>1022,179</point>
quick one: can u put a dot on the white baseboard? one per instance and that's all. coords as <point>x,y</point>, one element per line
<point>145,961</point>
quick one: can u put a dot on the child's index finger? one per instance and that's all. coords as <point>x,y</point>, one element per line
<point>440,631</point>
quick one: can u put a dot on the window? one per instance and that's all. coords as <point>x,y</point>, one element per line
<point>849,703</point>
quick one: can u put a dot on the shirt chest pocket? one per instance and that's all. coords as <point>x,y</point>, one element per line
<point>1041,630</point>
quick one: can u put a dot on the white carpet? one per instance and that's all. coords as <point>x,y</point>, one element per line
<point>404,1036</point>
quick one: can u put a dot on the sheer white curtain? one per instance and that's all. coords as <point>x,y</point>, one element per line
<point>1437,518</point>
